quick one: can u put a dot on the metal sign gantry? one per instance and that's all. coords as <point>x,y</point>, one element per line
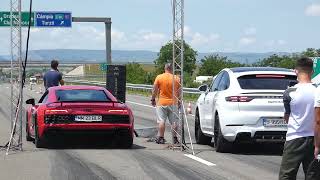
<point>177,64</point>
<point>15,141</point>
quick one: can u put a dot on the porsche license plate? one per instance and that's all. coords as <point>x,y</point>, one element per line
<point>88,118</point>
<point>274,123</point>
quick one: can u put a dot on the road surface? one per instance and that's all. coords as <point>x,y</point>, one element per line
<point>87,160</point>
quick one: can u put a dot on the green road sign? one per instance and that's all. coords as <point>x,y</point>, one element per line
<point>316,66</point>
<point>5,18</point>
<point>103,66</point>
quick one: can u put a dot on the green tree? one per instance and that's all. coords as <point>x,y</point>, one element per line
<point>278,61</point>
<point>213,64</point>
<point>166,53</point>
<point>135,73</point>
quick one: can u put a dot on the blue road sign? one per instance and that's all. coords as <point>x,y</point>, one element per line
<point>53,19</point>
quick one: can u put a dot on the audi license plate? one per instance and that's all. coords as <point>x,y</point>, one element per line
<point>274,123</point>
<point>88,118</point>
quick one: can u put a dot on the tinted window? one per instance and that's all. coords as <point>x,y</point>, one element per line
<point>81,95</point>
<point>276,82</point>
<point>225,82</point>
<point>216,81</point>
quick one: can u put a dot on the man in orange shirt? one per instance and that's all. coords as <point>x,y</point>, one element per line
<point>167,104</point>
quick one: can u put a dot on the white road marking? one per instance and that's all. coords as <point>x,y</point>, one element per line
<point>147,106</point>
<point>140,104</point>
<point>199,160</point>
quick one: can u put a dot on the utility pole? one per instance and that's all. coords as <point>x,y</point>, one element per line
<point>15,142</point>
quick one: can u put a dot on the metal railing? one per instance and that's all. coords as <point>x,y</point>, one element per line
<point>130,86</point>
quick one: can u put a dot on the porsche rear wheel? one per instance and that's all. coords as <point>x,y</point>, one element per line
<point>221,144</point>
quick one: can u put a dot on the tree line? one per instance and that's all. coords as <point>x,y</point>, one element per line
<point>208,66</point>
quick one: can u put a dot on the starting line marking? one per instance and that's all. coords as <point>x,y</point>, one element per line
<point>199,160</point>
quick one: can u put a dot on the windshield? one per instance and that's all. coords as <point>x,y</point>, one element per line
<point>265,81</point>
<point>82,95</point>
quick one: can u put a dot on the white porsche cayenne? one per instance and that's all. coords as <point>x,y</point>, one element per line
<point>243,105</point>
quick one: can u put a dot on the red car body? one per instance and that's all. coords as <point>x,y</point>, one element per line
<point>52,116</point>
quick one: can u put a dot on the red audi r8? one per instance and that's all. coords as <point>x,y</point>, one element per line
<point>84,109</point>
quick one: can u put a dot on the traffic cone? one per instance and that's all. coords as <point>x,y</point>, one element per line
<point>189,110</point>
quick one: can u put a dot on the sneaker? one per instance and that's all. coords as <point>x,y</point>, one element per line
<point>160,140</point>
<point>175,140</point>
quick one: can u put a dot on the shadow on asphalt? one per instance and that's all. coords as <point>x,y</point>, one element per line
<point>257,149</point>
<point>86,143</point>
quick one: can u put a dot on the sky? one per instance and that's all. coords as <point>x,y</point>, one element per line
<point>210,25</point>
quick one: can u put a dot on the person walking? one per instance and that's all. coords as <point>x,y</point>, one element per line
<point>166,105</point>
<point>53,77</point>
<point>299,114</point>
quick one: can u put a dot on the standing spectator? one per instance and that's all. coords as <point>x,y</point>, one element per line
<point>53,77</point>
<point>166,105</point>
<point>299,114</point>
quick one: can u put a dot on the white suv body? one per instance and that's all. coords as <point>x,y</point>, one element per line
<point>243,104</point>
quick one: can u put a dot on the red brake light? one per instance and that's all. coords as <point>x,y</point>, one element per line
<point>56,111</point>
<point>270,76</point>
<point>238,99</point>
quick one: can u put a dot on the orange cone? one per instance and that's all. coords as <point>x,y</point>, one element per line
<point>189,110</point>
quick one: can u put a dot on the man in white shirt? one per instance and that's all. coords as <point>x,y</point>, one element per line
<point>299,114</point>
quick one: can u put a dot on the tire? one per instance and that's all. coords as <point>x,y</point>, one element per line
<point>221,144</point>
<point>28,137</point>
<point>39,142</point>
<point>200,137</point>
<point>125,141</point>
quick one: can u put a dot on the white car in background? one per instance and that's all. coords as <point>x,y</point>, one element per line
<point>243,105</point>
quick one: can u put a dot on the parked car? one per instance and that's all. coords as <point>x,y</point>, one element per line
<point>243,104</point>
<point>78,109</point>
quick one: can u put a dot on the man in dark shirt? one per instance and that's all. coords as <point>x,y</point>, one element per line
<point>53,77</point>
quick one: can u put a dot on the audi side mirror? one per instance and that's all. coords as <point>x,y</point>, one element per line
<point>203,88</point>
<point>31,101</point>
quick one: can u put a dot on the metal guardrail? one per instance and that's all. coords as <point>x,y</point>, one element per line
<point>144,87</point>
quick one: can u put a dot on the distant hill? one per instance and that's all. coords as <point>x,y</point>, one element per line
<point>123,56</point>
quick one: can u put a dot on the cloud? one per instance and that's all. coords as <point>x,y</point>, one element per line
<point>247,41</point>
<point>313,10</point>
<point>200,40</point>
<point>117,35</point>
<point>250,31</point>
<point>273,43</point>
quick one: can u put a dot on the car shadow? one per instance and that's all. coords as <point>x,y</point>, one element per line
<point>86,143</point>
<point>257,149</point>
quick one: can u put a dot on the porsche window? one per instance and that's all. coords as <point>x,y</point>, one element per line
<point>266,81</point>
<point>81,95</point>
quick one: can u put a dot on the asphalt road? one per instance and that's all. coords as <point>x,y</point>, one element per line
<point>88,160</point>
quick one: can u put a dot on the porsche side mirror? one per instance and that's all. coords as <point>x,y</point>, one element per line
<point>203,88</point>
<point>31,101</point>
